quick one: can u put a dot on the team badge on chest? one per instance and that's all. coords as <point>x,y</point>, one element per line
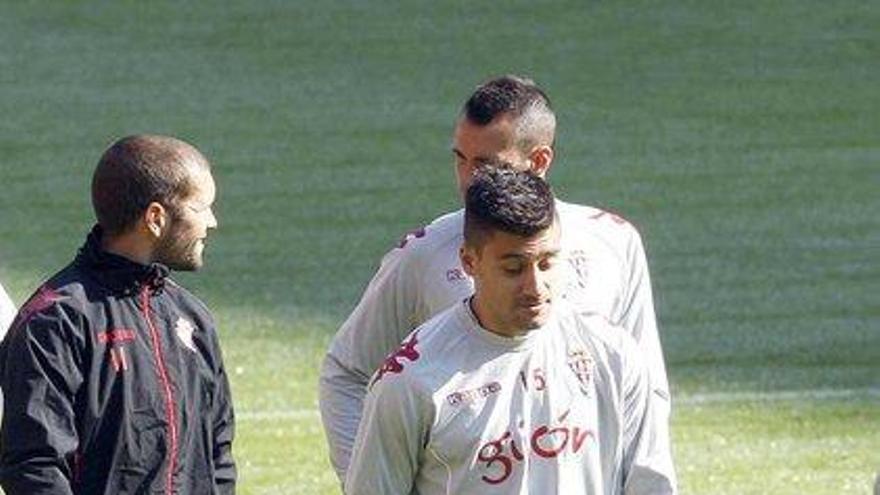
<point>184,330</point>
<point>581,364</point>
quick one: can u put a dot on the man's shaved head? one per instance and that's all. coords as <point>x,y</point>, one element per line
<point>521,100</point>
<point>138,170</point>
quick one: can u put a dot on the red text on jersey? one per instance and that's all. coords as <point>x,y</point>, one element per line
<point>501,456</point>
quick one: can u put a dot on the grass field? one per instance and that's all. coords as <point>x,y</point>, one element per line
<point>742,138</point>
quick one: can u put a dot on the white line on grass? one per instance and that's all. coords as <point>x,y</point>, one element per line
<point>295,413</point>
<point>819,394</point>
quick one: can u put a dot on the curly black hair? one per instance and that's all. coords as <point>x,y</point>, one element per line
<point>507,200</point>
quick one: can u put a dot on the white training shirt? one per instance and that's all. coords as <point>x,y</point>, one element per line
<point>7,314</point>
<point>7,311</point>
<point>606,272</point>
<point>565,409</point>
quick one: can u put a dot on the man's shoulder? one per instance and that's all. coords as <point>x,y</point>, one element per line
<point>603,335</point>
<point>445,230</point>
<point>425,350</point>
<point>70,287</point>
<point>433,244</point>
<point>590,221</point>
<point>440,335</point>
<point>63,297</point>
<point>187,300</point>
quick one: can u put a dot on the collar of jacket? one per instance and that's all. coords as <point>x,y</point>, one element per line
<point>117,273</point>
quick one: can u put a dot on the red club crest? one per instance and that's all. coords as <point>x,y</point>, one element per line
<point>581,364</point>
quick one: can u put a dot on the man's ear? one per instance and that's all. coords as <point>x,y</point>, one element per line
<point>468,257</point>
<point>155,219</point>
<point>541,157</point>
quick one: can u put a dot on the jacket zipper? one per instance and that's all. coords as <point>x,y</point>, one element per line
<point>166,389</point>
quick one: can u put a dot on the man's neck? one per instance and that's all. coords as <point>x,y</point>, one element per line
<point>480,316</point>
<point>128,246</point>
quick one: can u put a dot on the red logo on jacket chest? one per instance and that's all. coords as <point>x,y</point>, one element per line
<point>116,335</point>
<point>116,338</point>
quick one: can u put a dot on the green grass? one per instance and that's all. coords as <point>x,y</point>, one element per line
<point>784,447</point>
<point>741,137</point>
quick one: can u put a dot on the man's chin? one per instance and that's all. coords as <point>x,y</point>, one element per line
<point>187,265</point>
<point>536,317</point>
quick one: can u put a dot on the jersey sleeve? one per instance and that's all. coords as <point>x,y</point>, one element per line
<point>40,373</point>
<point>394,429</point>
<point>7,311</point>
<point>638,317</point>
<point>647,458</point>
<point>340,399</point>
<point>7,314</point>
<point>389,309</point>
<point>386,313</point>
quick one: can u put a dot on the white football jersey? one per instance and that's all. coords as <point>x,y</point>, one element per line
<point>605,271</point>
<point>7,311</point>
<point>565,409</point>
<point>7,314</point>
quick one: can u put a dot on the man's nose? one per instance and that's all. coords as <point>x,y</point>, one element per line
<point>536,282</point>
<point>212,220</point>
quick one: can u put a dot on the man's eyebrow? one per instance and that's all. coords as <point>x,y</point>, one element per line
<point>550,253</point>
<point>458,153</point>
<point>545,254</point>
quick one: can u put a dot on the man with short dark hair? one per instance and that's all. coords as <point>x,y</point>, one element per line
<point>112,372</point>
<point>512,391</point>
<point>508,120</point>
